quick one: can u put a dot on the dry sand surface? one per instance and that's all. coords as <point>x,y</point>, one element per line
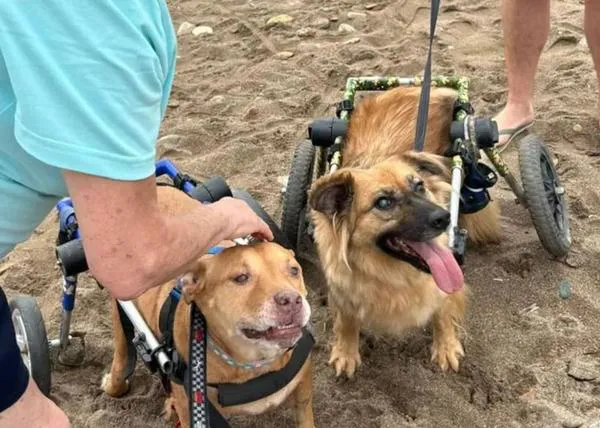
<point>238,107</point>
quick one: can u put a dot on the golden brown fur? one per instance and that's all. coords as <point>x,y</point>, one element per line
<point>384,125</point>
<point>224,304</point>
<point>368,288</point>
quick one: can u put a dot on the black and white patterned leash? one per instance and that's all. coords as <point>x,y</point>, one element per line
<point>198,399</point>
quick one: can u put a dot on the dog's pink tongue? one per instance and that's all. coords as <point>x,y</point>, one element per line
<point>443,266</point>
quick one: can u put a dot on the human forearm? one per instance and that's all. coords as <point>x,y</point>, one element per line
<point>158,248</point>
<point>134,241</point>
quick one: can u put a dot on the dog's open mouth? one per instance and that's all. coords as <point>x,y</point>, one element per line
<point>278,333</point>
<point>428,257</point>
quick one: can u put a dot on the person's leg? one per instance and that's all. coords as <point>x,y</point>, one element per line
<point>21,402</point>
<point>526,24</point>
<point>592,33</point>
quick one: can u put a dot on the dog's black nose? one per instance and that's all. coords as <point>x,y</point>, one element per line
<point>288,300</point>
<point>439,219</point>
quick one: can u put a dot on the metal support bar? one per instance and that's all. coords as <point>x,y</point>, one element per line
<point>140,325</point>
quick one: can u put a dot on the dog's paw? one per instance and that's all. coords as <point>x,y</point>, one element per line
<point>446,353</point>
<point>114,390</point>
<point>344,361</point>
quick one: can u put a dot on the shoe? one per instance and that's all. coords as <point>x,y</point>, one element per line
<point>512,133</point>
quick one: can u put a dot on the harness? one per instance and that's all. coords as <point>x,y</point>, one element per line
<point>203,413</point>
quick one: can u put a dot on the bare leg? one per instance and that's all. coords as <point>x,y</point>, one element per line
<point>526,26</point>
<point>592,34</point>
<point>34,409</point>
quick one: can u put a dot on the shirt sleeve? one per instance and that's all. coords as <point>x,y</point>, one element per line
<point>88,84</point>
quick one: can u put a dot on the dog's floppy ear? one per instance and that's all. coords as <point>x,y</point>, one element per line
<point>429,163</point>
<point>333,193</point>
<point>192,283</point>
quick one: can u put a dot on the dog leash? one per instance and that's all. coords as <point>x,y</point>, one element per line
<point>423,110</point>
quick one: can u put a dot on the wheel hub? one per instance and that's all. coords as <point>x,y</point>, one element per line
<point>554,192</point>
<point>21,336</point>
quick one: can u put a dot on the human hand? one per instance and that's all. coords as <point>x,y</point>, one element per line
<point>243,220</point>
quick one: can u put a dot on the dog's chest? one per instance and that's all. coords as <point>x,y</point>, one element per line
<point>384,307</point>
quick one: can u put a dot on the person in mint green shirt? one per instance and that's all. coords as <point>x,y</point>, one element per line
<point>83,88</point>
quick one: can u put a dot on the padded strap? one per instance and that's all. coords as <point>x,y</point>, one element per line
<point>231,394</point>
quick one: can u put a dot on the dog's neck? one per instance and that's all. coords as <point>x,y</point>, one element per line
<point>242,355</point>
<point>240,362</point>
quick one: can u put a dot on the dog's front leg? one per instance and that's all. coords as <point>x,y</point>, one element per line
<point>114,382</point>
<point>447,349</point>
<point>303,397</point>
<point>345,355</point>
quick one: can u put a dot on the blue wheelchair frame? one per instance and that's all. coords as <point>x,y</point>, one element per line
<point>68,227</point>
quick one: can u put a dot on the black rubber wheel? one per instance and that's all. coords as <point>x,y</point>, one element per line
<point>545,196</point>
<point>32,340</point>
<point>293,221</point>
<point>278,235</point>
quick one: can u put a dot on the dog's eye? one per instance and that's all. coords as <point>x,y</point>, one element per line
<point>241,279</point>
<point>294,271</point>
<point>384,203</point>
<point>418,186</point>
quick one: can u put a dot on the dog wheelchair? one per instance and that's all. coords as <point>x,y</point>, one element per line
<point>540,190</point>
<point>158,357</point>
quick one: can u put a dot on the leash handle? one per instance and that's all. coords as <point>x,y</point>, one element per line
<point>423,110</point>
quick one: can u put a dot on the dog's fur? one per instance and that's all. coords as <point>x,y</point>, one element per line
<point>367,287</point>
<point>229,306</point>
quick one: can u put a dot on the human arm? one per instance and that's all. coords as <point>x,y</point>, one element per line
<point>131,246</point>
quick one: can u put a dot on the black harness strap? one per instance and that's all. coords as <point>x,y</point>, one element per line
<point>423,110</point>
<point>231,394</point>
<point>203,414</point>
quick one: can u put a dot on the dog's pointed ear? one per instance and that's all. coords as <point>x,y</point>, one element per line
<point>192,283</point>
<point>428,163</point>
<point>333,193</point>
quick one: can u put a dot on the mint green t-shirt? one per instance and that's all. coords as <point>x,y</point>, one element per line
<point>84,85</point>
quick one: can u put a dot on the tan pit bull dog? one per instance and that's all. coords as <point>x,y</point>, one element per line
<point>253,298</point>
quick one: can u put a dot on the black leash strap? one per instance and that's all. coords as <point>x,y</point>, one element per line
<point>426,85</point>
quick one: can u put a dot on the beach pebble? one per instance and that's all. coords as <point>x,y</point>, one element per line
<point>352,41</point>
<point>564,289</point>
<point>357,15</point>
<point>346,28</point>
<point>584,369</point>
<point>371,6</point>
<point>577,127</point>
<point>305,32</point>
<point>185,28</point>
<point>169,139</point>
<point>217,99</point>
<point>334,19</point>
<point>573,422</point>
<point>202,30</point>
<point>322,23</point>
<point>279,20</point>
<point>284,55</point>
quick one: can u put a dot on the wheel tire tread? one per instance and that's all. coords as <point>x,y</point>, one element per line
<point>530,150</point>
<point>296,195</point>
<point>37,340</point>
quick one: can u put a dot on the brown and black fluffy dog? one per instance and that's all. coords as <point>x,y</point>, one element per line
<point>380,223</point>
<point>254,300</point>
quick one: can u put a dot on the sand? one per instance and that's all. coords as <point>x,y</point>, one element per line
<point>238,108</point>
